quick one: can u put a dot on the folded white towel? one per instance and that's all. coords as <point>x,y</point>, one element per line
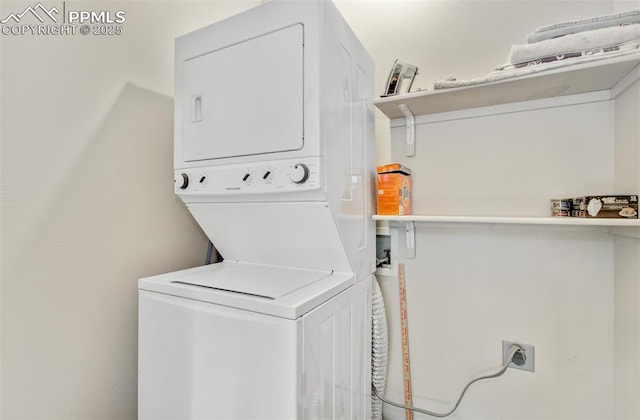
<point>575,26</point>
<point>508,72</point>
<point>594,39</point>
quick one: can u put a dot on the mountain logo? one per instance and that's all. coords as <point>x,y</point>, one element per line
<point>39,11</point>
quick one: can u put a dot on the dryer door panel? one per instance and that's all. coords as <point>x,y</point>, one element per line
<point>245,99</point>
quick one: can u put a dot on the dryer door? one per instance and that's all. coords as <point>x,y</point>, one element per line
<point>246,98</point>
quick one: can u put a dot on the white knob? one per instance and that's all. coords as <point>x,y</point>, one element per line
<point>300,173</point>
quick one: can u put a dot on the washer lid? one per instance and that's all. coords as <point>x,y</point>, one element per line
<point>255,280</point>
<point>279,291</point>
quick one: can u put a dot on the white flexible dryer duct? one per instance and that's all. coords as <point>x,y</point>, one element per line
<point>379,348</point>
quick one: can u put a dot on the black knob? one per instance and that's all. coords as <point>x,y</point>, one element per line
<point>300,173</point>
<point>184,181</point>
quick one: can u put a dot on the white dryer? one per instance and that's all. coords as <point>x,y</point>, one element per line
<point>274,159</point>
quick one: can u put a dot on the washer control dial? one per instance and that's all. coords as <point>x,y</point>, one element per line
<point>182,181</point>
<point>300,173</point>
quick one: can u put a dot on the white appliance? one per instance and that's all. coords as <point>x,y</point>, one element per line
<point>274,159</point>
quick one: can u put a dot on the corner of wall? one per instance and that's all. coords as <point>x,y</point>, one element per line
<point>627,259</point>
<point>621,6</point>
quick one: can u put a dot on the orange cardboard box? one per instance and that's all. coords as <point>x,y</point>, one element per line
<point>394,190</point>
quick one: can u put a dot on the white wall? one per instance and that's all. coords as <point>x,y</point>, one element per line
<point>621,6</point>
<point>451,38</point>
<point>471,287</point>
<point>86,142</point>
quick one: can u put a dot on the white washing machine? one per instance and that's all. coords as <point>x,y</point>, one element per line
<point>274,159</point>
<point>254,342</point>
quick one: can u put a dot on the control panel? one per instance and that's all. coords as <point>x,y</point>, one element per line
<point>252,178</point>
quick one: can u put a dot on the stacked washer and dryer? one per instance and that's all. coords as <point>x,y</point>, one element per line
<point>274,159</point>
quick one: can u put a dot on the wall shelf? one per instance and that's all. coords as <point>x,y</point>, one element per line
<point>602,79</point>
<point>502,149</point>
<point>514,220</point>
<point>612,74</point>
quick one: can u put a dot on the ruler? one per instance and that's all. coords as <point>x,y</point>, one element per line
<point>404,331</point>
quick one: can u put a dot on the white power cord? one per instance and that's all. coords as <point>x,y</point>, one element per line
<point>512,352</point>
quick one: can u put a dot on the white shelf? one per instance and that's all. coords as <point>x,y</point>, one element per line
<point>517,220</point>
<point>609,77</point>
<point>599,75</point>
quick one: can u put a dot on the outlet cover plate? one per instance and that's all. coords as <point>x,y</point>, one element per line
<point>529,351</point>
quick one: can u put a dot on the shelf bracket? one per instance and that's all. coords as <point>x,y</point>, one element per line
<point>411,129</point>
<point>410,234</point>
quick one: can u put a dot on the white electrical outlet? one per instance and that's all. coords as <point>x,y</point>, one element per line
<point>525,360</point>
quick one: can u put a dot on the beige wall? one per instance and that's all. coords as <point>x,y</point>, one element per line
<point>88,205</point>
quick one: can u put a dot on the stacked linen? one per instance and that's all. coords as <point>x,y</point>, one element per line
<point>566,28</point>
<point>578,39</point>
<point>564,44</point>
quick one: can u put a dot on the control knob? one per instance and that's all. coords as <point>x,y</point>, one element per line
<point>182,181</point>
<point>300,173</point>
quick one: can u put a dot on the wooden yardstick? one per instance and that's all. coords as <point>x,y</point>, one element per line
<point>404,332</point>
